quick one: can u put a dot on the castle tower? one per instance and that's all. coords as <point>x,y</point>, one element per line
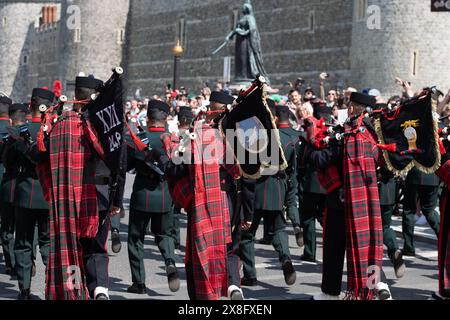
<point>412,43</point>
<point>17,21</point>
<point>92,38</point>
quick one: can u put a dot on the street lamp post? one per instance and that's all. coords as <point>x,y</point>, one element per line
<point>177,52</point>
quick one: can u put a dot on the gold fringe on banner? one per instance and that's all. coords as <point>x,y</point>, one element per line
<point>413,163</point>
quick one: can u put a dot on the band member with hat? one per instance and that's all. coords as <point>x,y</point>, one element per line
<point>313,197</point>
<point>95,252</point>
<point>354,161</point>
<point>31,207</point>
<point>66,153</point>
<point>7,188</point>
<point>273,195</point>
<point>5,104</point>
<point>220,207</point>
<point>185,117</point>
<point>151,203</point>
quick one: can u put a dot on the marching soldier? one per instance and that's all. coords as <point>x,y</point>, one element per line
<point>5,104</point>
<point>422,187</point>
<point>31,206</point>
<point>272,195</point>
<point>151,202</point>
<point>185,117</point>
<point>7,192</point>
<point>387,190</point>
<point>314,198</point>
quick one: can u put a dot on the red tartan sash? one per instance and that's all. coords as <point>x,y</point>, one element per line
<point>363,215</point>
<point>73,207</point>
<point>210,229</point>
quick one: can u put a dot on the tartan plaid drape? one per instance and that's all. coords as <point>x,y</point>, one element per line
<point>363,215</point>
<point>210,228</point>
<point>73,207</point>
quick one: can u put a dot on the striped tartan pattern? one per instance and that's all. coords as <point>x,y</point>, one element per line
<point>363,214</point>
<point>210,229</point>
<point>73,208</point>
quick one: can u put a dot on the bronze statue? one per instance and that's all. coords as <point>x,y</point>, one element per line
<point>248,56</point>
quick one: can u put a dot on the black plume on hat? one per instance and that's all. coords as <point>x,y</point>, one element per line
<point>363,99</point>
<point>157,104</point>
<point>44,94</point>
<point>221,97</point>
<point>88,82</point>
<point>6,100</point>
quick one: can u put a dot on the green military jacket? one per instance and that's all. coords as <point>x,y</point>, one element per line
<point>28,193</point>
<point>150,194</point>
<point>387,187</point>
<point>3,124</point>
<point>418,178</point>
<point>307,175</point>
<point>273,193</point>
<point>8,183</point>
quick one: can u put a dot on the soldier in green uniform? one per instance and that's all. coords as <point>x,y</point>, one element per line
<point>7,192</point>
<point>387,187</point>
<point>151,201</point>
<point>422,187</point>
<point>31,207</point>
<point>185,117</point>
<point>5,103</point>
<point>273,195</point>
<point>312,207</point>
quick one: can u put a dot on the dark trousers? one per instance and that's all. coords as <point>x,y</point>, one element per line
<point>312,209</point>
<point>428,201</point>
<point>279,240</point>
<point>333,251</point>
<point>95,256</point>
<point>7,233</point>
<point>389,237</point>
<point>234,277</point>
<point>115,222</point>
<point>161,227</point>
<point>176,226</point>
<point>26,220</point>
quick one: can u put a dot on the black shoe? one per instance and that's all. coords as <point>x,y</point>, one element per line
<point>116,245</point>
<point>173,278</point>
<point>24,295</point>
<point>101,296</point>
<point>137,288</point>
<point>249,282</point>
<point>289,273</point>
<point>33,270</point>
<point>399,264</point>
<point>408,253</point>
<point>439,297</point>
<point>307,259</point>
<point>299,236</point>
